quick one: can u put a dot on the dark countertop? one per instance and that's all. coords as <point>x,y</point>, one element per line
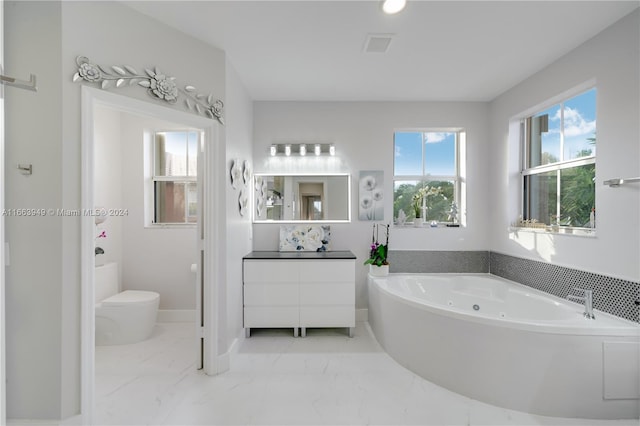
<point>302,255</point>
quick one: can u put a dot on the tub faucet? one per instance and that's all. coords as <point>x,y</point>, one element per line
<point>587,299</point>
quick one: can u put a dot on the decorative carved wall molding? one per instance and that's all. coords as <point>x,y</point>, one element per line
<point>158,85</point>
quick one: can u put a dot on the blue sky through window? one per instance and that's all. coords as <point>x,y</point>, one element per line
<point>439,153</point>
<point>408,154</point>
<point>579,126</point>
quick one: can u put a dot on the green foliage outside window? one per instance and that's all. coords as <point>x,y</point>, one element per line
<point>578,194</point>
<point>438,206</point>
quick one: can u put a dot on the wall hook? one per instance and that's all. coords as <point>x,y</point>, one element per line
<point>25,169</point>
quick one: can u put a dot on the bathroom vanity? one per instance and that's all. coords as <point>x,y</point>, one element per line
<point>299,290</point>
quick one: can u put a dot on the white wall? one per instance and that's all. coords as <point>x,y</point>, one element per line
<point>363,135</point>
<point>43,281</point>
<point>108,187</point>
<point>153,259</point>
<point>612,59</point>
<point>239,136</point>
<point>34,312</point>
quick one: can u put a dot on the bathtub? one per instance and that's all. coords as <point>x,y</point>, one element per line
<point>508,345</point>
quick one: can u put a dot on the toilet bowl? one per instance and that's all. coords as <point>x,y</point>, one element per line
<point>125,317</point>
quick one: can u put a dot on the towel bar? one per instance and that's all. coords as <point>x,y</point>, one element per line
<point>614,183</point>
<point>22,84</point>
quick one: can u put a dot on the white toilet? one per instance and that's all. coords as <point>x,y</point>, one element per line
<point>121,318</point>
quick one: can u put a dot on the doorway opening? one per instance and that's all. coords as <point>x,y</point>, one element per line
<point>206,263</point>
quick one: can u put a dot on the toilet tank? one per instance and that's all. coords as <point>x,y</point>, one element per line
<point>106,281</point>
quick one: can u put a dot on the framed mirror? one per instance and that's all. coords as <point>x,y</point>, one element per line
<point>302,198</point>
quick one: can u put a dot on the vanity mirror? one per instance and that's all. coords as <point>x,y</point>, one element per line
<point>302,198</point>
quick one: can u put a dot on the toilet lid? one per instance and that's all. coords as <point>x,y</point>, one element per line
<point>130,297</point>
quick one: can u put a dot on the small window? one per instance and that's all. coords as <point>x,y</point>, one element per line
<point>427,176</point>
<point>175,175</point>
<point>559,163</point>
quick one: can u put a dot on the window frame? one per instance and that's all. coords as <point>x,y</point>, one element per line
<point>558,166</point>
<point>182,180</point>
<point>458,178</point>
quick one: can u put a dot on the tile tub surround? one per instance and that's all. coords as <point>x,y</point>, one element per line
<point>612,295</point>
<point>419,261</point>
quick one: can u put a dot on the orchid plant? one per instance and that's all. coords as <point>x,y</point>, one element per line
<point>425,193</point>
<point>378,252</point>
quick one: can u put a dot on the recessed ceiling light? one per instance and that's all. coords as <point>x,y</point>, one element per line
<point>393,6</point>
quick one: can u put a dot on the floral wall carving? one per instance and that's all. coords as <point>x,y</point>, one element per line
<point>158,85</point>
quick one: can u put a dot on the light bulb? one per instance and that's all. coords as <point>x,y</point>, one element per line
<point>393,6</point>
<point>273,150</point>
<point>316,149</point>
<point>287,150</point>
<point>332,150</point>
<point>303,150</point>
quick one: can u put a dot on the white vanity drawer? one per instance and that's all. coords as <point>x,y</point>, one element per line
<point>281,316</point>
<point>327,294</point>
<point>258,271</point>
<point>327,316</point>
<point>327,271</point>
<point>271,294</point>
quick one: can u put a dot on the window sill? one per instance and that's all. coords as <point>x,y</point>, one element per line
<point>171,225</point>
<point>410,225</point>
<point>562,230</point>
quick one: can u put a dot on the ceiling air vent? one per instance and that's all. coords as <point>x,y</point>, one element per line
<point>377,43</point>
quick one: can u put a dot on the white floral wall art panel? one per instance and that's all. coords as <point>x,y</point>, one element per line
<point>305,237</point>
<point>243,202</point>
<point>236,173</point>
<point>371,195</point>
<point>246,172</point>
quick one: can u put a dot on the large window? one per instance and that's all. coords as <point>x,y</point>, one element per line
<point>427,179</point>
<point>559,163</point>
<point>175,171</point>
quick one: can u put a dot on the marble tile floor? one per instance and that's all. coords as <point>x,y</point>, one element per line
<point>275,379</point>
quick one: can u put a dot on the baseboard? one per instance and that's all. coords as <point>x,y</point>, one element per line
<point>224,360</point>
<point>71,421</point>
<point>362,315</point>
<point>176,315</point>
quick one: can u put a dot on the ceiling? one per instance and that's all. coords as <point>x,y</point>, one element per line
<point>440,51</point>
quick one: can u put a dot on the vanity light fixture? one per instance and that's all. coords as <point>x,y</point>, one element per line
<point>391,7</point>
<point>302,149</point>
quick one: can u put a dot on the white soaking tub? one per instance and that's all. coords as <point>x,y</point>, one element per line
<point>507,344</point>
